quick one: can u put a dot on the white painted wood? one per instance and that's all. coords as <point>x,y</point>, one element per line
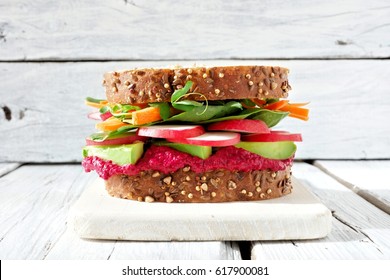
<point>97,215</point>
<point>360,230</point>
<point>71,246</point>
<point>8,167</point>
<point>349,105</point>
<point>193,29</point>
<point>34,203</point>
<point>369,179</point>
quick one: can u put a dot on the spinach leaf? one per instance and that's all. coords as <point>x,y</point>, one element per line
<point>186,105</point>
<point>248,102</point>
<point>271,118</point>
<point>203,113</point>
<point>118,110</point>
<point>104,109</point>
<point>93,100</point>
<point>180,92</point>
<point>126,108</point>
<point>98,136</point>
<point>242,115</point>
<point>121,130</point>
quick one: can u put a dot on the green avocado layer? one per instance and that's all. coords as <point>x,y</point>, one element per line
<point>202,152</point>
<point>119,154</point>
<point>271,150</point>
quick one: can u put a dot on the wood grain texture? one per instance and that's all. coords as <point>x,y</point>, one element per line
<point>366,178</point>
<point>349,104</point>
<point>360,230</point>
<point>123,250</point>
<point>34,204</point>
<point>8,167</point>
<point>137,30</point>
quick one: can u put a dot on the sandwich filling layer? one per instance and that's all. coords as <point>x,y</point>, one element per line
<point>168,160</point>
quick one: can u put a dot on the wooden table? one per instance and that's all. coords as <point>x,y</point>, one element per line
<point>54,54</point>
<point>35,199</point>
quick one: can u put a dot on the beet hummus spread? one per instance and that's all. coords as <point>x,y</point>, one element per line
<point>167,160</point>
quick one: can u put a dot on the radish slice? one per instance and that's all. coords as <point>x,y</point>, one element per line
<point>243,126</point>
<point>171,131</point>
<point>213,139</point>
<point>98,116</point>
<point>127,138</point>
<point>94,116</point>
<point>105,116</point>
<point>273,137</point>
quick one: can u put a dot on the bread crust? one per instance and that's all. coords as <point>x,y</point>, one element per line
<point>184,185</point>
<point>215,83</point>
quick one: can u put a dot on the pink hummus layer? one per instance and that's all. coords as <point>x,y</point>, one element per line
<point>167,160</point>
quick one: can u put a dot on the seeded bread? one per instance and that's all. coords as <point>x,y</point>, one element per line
<point>215,83</point>
<point>185,185</point>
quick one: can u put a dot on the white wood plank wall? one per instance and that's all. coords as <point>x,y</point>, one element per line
<point>54,53</point>
<point>169,29</point>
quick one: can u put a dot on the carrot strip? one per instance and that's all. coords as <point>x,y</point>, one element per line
<point>299,104</point>
<point>276,105</point>
<point>305,118</point>
<point>97,105</point>
<point>146,115</point>
<point>110,124</point>
<point>296,112</point>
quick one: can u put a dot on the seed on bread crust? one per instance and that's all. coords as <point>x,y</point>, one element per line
<point>167,180</point>
<point>149,199</point>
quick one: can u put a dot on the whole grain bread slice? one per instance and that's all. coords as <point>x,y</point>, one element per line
<point>184,185</point>
<point>215,83</point>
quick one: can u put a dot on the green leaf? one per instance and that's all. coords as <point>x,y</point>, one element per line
<point>117,107</point>
<point>126,108</point>
<point>180,92</point>
<point>229,108</point>
<point>121,130</point>
<point>271,100</point>
<point>200,113</point>
<point>242,115</point>
<point>248,102</point>
<point>98,136</point>
<point>105,109</point>
<point>271,118</point>
<point>186,105</point>
<point>93,100</point>
<point>165,111</point>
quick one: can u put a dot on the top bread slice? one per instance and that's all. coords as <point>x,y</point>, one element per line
<point>140,86</point>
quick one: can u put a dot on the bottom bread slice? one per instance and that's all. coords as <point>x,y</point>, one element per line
<point>184,185</point>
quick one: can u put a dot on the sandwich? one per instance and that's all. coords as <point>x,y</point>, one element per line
<point>198,134</point>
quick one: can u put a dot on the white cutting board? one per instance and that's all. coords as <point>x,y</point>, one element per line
<point>298,215</point>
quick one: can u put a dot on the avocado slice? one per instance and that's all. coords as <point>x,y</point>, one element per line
<point>119,154</point>
<point>271,150</point>
<point>202,152</point>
